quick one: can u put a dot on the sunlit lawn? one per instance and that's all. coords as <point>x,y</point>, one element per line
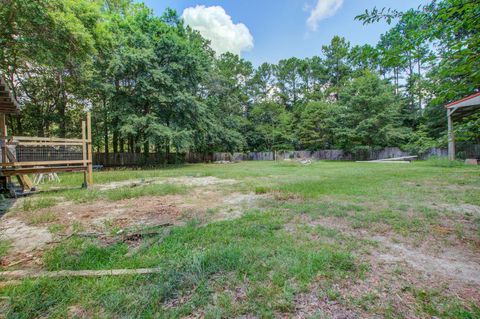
<point>256,264</point>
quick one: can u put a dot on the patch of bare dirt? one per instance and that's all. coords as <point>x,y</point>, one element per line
<point>26,243</point>
<point>24,238</point>
<point>200,181</point>
<point>79,312</point>
<point>396,266</point>
<point>470,209</point>
<point>310,304</point>
<point>149,211</point>
<point>234,205</point>
<point>451,264</point>
<point>448,263</point>
<point>185,180</point>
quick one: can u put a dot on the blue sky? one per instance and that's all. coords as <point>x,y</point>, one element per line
<point>279,28</point>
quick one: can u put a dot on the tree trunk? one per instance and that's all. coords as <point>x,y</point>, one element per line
<point>19,130</point>
<point>146,150</point>
<point>419,67</point>
<point>122,145</point>
<point>130,144</point>
<point>62,105</point>
<point>167,152</point>
<point>105,133</point>
<point>115,141</point>
<point>137,146</point>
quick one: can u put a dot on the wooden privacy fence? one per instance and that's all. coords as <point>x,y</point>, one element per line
<point>340,155</point>
<point>139,159</point>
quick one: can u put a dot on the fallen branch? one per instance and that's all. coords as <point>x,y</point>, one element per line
<point>120,236</point>
<point>77,273</point>
<point>19,261</point>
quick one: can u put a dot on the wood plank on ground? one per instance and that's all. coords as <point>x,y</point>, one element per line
<point>77,273</point>
<point>385,162</point>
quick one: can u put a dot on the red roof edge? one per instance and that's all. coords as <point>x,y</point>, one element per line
<point>464,99</point>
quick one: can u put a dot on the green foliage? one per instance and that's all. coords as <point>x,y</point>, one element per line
<point>316,125</point>
<point>370,115</point>
<point>336,60</point>
<point>448,28</point>
<point>154,84</point>
<point>469,130</point>
<point>420,142</point>
<point>271,127</point>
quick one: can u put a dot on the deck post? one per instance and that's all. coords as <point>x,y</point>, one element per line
<point>90,155</point>
<point>451,136</point>
<point>3,179</point>
<point>84,153</point>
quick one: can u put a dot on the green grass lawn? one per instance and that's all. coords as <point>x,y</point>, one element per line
<point>313,232</point>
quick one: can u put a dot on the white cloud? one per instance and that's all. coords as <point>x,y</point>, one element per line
<point>323,10</point>
<point>216,25</point>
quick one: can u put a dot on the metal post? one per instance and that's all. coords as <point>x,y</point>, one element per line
<point>451,136</point>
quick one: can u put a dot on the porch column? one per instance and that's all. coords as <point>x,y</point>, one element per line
<point>451,136</point>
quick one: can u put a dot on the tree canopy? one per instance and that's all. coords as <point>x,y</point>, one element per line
<point>155,85</point>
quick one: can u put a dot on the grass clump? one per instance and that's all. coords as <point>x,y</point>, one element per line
<point>260,190</point>
<point>5,245</point>
<point>56,228</point>
<point>41,218</point>
<point>30,204</point>
<point>443,162</point>
<point>90,195</point>
<point>140,191</point>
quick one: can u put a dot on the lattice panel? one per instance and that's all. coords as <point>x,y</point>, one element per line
<point>48,153</point>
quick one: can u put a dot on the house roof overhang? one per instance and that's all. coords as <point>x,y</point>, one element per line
<point>464,107</point>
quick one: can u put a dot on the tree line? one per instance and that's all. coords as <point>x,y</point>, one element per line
<point>154,85</point>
